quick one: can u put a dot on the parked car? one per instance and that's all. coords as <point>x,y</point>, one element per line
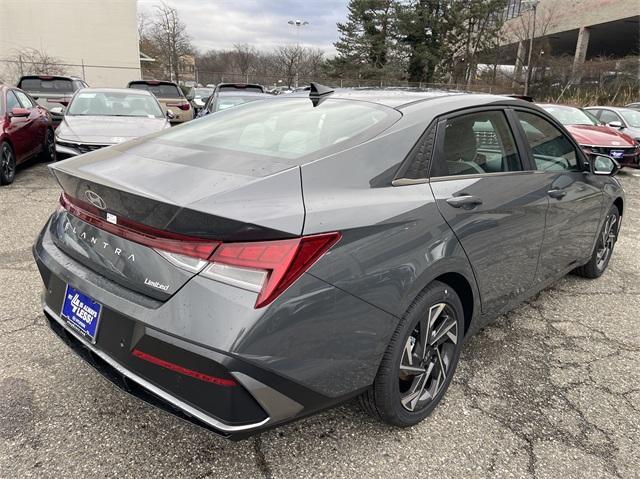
<point>52,92</point>
<point>170,96</point>
<point>200,97</point>
<point>99,117</point>
<point>596,138</point>
<point>230,98</point>
<point>26,130</point>
<point>264,263</point>
<point>635,106</point>
<point>626,120</point>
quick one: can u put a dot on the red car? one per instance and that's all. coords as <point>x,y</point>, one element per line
<point>25,131</point>
<point>596,138</point>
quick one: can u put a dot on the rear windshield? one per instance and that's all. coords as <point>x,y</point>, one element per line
<point>223,102</point>
<point>288,129</point>
<point>251,88</point>
<point>40,85</point>
<point>160,91</point>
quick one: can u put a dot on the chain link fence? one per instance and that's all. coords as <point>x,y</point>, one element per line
<point>612,89</point>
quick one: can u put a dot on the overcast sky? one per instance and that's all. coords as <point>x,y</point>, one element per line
<point>262,23</point>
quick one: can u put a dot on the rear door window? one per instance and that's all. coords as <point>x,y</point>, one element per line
<point>551,149</point>
<point>24,99</point>
<point>477,143</point>
<point>12,101</point>
<point>608,116</point>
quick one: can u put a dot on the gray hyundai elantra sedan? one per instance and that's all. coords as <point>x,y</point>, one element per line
<point>274,259</point>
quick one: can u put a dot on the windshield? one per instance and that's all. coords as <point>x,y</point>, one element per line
<point>87,103</point>
<point>568,115</point>
<point>159,90</point>
<point>632,117</point>
<point>285,128</point>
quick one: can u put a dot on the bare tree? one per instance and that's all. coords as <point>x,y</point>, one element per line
<point>244,57</point>
<point>170,39</point>
<point>31,61</point>
<point>287,60</point>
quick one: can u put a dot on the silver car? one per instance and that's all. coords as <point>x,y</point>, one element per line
<point>99,117</point>
<point>623,119</point>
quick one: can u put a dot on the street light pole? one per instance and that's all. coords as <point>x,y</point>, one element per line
<point>527,79</point>
<point>298,24</point>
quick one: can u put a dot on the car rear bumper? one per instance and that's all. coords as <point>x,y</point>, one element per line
<point>206,386</point>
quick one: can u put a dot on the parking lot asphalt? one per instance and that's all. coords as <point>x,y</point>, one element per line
<point>549,390</point>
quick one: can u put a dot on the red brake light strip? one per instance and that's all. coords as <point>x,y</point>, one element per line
<point>182,370</point>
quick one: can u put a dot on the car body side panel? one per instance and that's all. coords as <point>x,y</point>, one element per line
<point>394,238</point>
<point>502,237</point>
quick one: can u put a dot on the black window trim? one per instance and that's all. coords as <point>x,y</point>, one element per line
<point>580,156</point>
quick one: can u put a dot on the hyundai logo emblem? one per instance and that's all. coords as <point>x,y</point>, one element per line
<point>95,199</point>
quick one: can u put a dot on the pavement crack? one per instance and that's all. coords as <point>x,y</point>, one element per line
<point>261,462</point>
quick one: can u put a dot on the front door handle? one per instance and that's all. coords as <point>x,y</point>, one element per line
<point>557,193</point>
<point>464,201</point>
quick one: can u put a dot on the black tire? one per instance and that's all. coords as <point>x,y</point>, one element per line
<point>394,391</point>
<point>7,164</point>
<point>603,250</point>
<point>48,152</point>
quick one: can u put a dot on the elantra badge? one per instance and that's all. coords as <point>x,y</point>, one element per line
<point>95,199</point>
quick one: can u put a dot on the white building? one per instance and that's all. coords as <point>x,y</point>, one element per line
<point>96,39</point>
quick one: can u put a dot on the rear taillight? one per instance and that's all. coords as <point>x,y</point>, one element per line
<point>268,267</point>
<point>182,106</point>
<point>183,246</point>
<point>265,267</point>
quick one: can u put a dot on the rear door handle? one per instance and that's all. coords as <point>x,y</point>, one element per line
<point>464,201</point>
<point>557,193</point>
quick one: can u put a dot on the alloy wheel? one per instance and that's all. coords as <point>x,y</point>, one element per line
<point>607,240</point>
<point>427,357</point>
<point>50,146</point>
<point>7,163</point>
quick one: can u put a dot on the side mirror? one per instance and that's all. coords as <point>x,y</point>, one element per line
<point>170,115</point>
<point>57,110</point>
<point>19,112</point>
<point>604,165</point>
<point>616,124</point>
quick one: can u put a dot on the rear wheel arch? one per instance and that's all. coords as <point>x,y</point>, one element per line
<point>464,291</point>
<point>619,203</point>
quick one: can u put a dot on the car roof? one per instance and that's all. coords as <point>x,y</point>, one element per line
<point>400,98</point>
<point>49,77</point>
<point>129,91</point>
<point>556,105</point>
<point>244,93</point>
<point>153,82</point>
<point>613,108</point>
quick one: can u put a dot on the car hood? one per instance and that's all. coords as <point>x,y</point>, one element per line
<point>107,130</point>
<point>597,135</point>
<point>632,132</point>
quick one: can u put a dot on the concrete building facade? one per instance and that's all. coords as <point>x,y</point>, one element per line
<point>96,40</point>
<point>584,29</point>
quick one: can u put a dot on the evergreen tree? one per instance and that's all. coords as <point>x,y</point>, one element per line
<point>366,38</point>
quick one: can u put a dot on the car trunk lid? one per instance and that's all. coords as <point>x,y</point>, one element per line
<point>126,206</point>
